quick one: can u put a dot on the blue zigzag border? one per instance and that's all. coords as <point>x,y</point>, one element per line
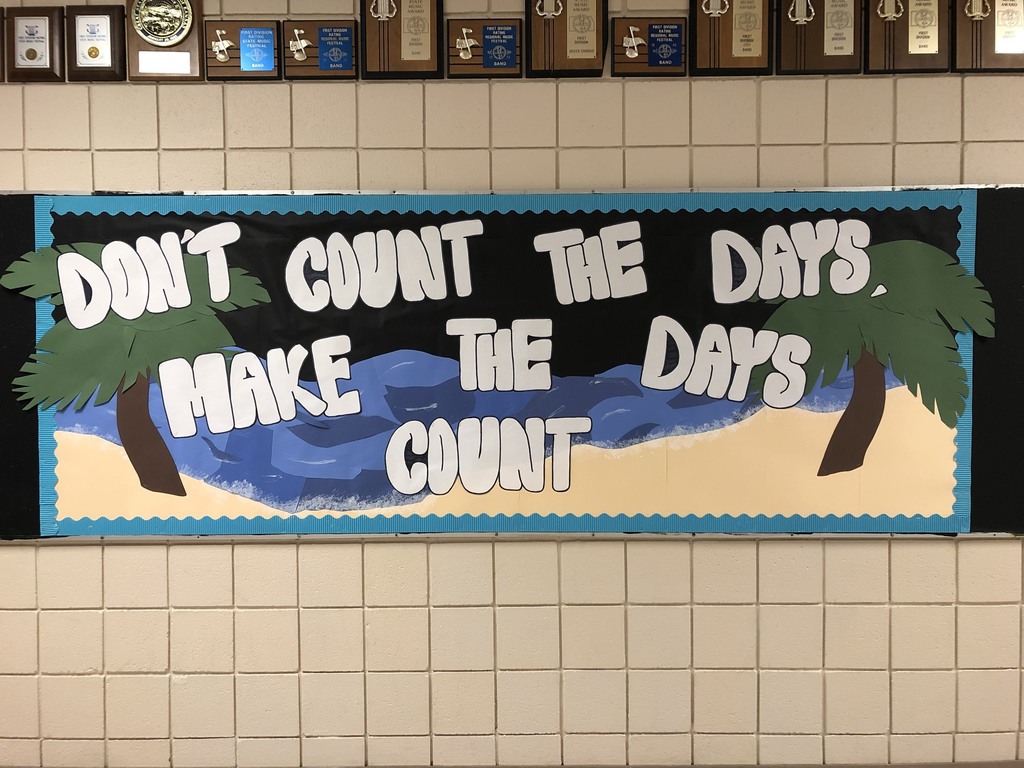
<point>518,523</point>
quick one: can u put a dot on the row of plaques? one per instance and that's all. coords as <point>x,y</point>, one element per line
<point>404,39</point>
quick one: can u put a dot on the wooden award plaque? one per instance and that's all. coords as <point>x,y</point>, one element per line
<point>908,36</point>
<point>489,48</point>
<point>649,47</point>
<point>319,50</point>
<point>401,39</point>
<point>566,38</point>
<point>819,37</point>
<point>242,50</point>
<point>989,35</point>
<point>730,37</point>
<point>34,44</point>
<point>94,42</point>
<point>164,40</point>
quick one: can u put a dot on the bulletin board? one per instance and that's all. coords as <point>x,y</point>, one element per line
<point>360,364</point>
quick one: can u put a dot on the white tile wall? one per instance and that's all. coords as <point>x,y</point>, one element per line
<point>783,650</point>
<point>659,651</point>
<point>634,134</point>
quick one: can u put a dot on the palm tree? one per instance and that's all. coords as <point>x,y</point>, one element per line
<point>904,319</point>
<point>119,358</point>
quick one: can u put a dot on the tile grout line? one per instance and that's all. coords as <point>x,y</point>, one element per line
<point>362,629</point>
<point>430,657</point>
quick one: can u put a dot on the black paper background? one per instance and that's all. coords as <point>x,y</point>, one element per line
<point>511,280</point>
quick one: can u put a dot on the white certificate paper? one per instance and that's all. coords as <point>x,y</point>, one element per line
<point>32,42</point>
<point>92,43</point>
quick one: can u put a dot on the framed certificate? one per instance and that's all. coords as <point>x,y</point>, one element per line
<point>242,50</point>
<point>34,42</point>
<point>319,50</point>
<point>164,40</point>
<point>94,42</point>
<point>401,39</point>
<point>488,48</point>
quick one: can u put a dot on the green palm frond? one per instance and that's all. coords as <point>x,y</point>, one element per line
<point>73,366</point>
<point>923,280</point>
<point>916,297</point>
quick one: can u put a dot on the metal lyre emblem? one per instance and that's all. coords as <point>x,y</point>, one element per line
<point>383,10</point>
<point>714,7</point>
<point>220,46</point>
<point>548,9</point>
<point>631,43</point>
<point>889,10</point>
<point>977,10</point>
<point>299,45</point>
<point>465,44</point>
<point>800,11</point>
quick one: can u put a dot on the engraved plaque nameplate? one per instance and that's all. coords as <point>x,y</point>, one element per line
<point>566,38</point>
<point>990,35</point>
<point>923,37</point>
<point>1009,26</point>
<point>908,36</point>
<point>649,47</point>
<point>401,39</point>
<point>34,44</point>
<point>730,37</point>
<point>748,20</point>
<point>485,48</point>
<point>841,35</point>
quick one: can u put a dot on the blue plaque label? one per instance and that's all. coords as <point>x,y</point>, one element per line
<point>335,48</point>
<point>665,45</point>
<point>256,45</point>
<point>499,46</point>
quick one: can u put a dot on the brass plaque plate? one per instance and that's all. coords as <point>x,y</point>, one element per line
<point>401,39</point>
<point>649,47</point>
<point>491,48</point>
<point>164,40</point>
<point>566,38</point>
<point>242,50</point>
<point>319,50</point>
<point>820,37</point>
<point>730,37</point>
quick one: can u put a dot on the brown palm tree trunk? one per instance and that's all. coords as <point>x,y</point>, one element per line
<point>146,449</point>
<point>859,422</point>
